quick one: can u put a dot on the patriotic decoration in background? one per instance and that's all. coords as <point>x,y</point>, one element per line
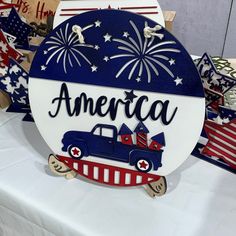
<point>15,84</point>
<point>16,27</point>
<point>215,83</point>
<point>13,78</point>
<point>218,143</point>
<point>147,8</point>
<point>115,85</point>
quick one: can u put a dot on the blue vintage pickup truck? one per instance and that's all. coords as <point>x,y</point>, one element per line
<point>102,142</point>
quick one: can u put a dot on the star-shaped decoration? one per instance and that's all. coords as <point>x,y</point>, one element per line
<point>213,79</point>
<point>6,51</point>
<point>15,84</point>
<point>138,79</point>
<point>96,47</point>
<point>221,141</point>
<point>43,68</point>
<point>106,59</point>
<point>76,152</point>
<point>143,165</point>
<point>178,81</point>
<point>16,27</point>
<point>126,34</point>
<point>98,23</point>
<point>130,96</point>
<point>172,62</point>
<point>218,120</point>
<point>107,37</point>
<point>94,68</point>
<point>3,47</point>
<point>45,52</point>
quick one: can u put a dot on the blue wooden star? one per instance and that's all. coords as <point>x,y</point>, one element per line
<point>16,27</point>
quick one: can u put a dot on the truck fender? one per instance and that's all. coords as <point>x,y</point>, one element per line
<point>135,154</point>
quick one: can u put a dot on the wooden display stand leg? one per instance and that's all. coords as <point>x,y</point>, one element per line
<point>157,188</point>
<point>59,168</point>
<point>5,100</point>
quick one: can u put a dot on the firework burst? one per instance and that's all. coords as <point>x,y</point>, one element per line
<point>143,55</point>
<point>65,47</point>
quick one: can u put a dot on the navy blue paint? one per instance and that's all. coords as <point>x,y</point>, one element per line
<point>141,128</point>
<point>124,130</point>
<point>159,138</point>
<point>18,93</point>
<point>227,113</point>
<point>16,27</point>
<point>116,23</point>
<point>101,146</point>
<point>84,103</point>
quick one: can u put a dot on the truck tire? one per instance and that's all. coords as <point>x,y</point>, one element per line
<point>75,151</point>
<point>143,165</point>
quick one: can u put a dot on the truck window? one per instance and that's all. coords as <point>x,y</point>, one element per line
<point>107,132</point>
<point>97,131</point>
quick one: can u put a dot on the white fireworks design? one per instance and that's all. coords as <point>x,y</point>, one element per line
<point>143,55</point>
<point>65,47</point>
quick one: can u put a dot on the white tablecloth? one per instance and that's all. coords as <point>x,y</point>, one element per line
<point>33,202</point>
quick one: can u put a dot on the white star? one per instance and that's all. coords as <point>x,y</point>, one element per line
<point>43,68</point>
<point>126,34</point>
<point>218,120</point>
<point>98,23</point>
<point>96,47</point>
<point>3,47</point>
<point>178,81</point>
<point>94,68</point>
<point>226,120</point>
<point>138,79</point>
<point>45,52</point>
<point>107,37</point>
<point>172,62</point>
<point>106,59</point>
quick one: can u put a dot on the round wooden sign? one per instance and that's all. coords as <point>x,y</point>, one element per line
<point>116,97</point>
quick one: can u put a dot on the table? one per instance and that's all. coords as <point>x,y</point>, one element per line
<point>33,202</point>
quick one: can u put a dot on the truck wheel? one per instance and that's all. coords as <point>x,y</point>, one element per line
<point>75,152</point>
<point>143,165</point>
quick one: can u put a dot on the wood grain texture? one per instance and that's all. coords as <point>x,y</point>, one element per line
<point>37,10</point>
<point>5,100</point>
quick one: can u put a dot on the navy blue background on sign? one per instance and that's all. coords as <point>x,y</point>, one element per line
<point>116,54</point>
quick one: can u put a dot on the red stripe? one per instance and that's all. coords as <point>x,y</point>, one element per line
<point>209,152</point>
<point>122,177</point>
<point>225,146</point>
<point>220,151</point>
<point>101,175</point>
<point>147,13</point>
<point>133,179</point>
<point>111,176</point>
<point>79,9</point>
<point>7,6</point>
<point>231,127</point>
<point>222,137</point>
<point>130,8</point>
<point>68,14</point>
<point>90,171</point>
<point>220,128</point>
<point>111,181</point>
